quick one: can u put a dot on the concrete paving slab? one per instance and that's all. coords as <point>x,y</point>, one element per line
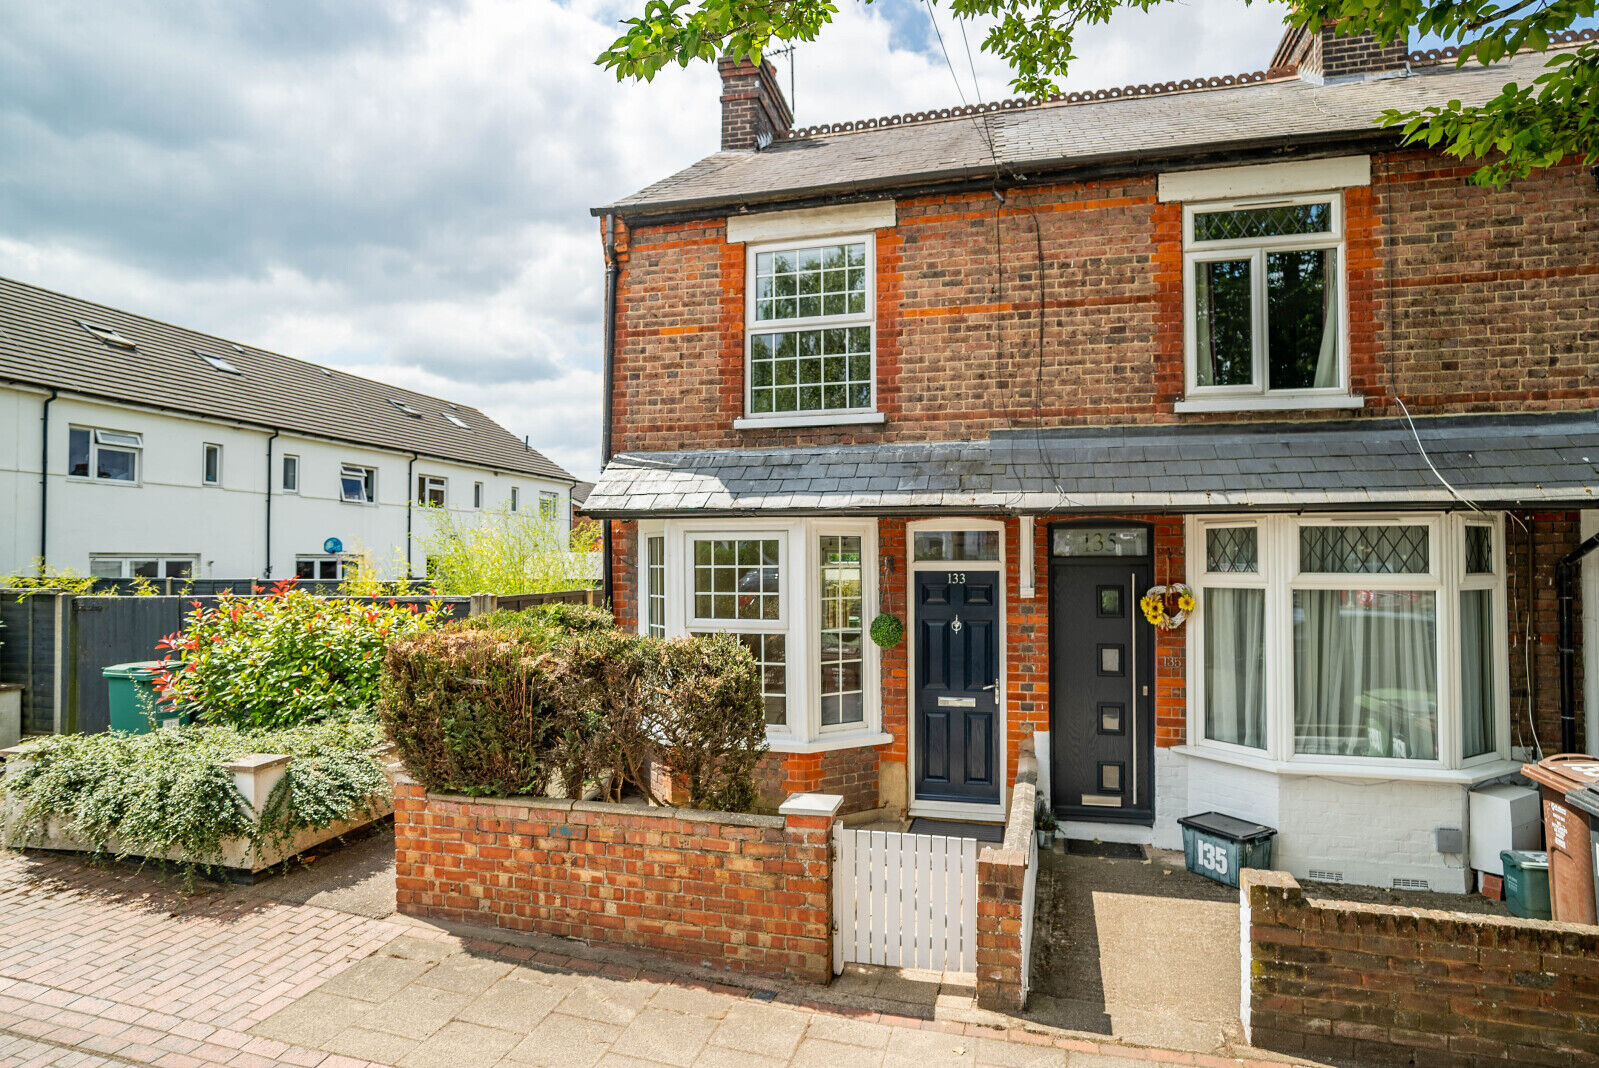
<point>376,978</point>
<point>560,1041</point>
<point>927,1049</point>
<point>512,1003</point>
<point>1002,1054</point>
<point>365,1044</point>
<point>465,974</point>
<point>665,1037</point>
<point>607,1000</point>
<point>426,949</point>
<point>693,1001</point>
<point>314,1019</point>
<point>726,1057</point>
<point>819,1053</point>
<point>760,1028</point>
<point>849,1032</point>
<point>417,1011</point>
<point>461,1045</point>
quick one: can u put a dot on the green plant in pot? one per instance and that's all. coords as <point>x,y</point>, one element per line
<point>1045,823</point>
<point>887,630</point>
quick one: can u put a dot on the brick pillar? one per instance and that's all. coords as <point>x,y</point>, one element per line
<point>808,891</point>
<point>1002,899</point>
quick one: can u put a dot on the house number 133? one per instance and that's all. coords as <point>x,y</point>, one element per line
<point>957,578</point>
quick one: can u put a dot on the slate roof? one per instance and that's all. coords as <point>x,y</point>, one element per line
<point>1490,460</point>
<point>42,344</point>
<point>1268,114</point>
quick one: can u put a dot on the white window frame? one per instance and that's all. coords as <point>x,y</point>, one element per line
<point>338,561</point>
<point>290,459</point>
<point>1280,576</point>
<point>516,497</point>
<point>549,505</point>
<point>752,326</point>
<point>799,588</point>
<point>1258,394</point>
<point>477,495</point>
<point>205,464</point>
<point>125,562</point>
<point>426,484</point>
<point>95,444</point>
<point>369,482</point>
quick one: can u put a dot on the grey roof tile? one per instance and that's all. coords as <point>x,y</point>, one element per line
<point>1307,466</point>
<point>42,344</point>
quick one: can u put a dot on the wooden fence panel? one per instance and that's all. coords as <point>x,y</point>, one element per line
<point>905,900</point>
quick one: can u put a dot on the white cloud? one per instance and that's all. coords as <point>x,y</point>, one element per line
<point>400,188</point>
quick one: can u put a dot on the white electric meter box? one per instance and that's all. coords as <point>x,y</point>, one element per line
<point>1503,817</point>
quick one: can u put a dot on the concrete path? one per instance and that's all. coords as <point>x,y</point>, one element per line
<point>102,965</point>
<point>1141,950</point>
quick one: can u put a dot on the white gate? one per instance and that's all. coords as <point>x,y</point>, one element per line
<point>905,900</point>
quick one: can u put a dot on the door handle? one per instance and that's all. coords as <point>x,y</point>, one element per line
<point>993,685</point>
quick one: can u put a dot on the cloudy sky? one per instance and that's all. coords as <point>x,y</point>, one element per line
<point>400,188</point>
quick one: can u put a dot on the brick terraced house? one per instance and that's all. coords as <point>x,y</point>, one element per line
<point>999,371</point>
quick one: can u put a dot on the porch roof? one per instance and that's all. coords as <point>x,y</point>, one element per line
<point>1545,458</point>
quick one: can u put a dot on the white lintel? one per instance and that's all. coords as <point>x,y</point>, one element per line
<point>1265,179</point>
<point>807,223</point>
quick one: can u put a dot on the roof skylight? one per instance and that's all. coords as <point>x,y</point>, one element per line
<point>107,335</point>
<point>217,362</point>
<point>406,408</point>
<point>456,420</point>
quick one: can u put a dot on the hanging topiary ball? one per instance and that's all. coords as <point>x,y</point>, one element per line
<point>887,630</point>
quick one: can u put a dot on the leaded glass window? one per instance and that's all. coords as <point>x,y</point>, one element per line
<point>1264,289</point>
<point>1386,549</point>
<point>1479,550</point>
<point>736,578</point>
<point>810,330</point>
<point>1232,550</point>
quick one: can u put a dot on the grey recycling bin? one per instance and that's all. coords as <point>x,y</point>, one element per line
<point>1219,846</point>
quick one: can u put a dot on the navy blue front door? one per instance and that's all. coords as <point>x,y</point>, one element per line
<point>957,685</point>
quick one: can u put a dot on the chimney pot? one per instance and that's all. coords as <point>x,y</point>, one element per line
<point>754,111</point>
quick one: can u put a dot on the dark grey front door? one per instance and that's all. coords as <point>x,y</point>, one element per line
<point>1101,691</point>
<point>957,685</point>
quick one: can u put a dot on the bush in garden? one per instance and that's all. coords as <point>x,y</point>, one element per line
<point>282,660</point>
<point>709,728</point>
<point>467,711</point>
<point>501,551</point>
<point>542,624</point>
<point>167,790</point>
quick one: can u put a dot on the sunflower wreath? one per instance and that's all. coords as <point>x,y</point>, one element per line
<point>1167,606</point>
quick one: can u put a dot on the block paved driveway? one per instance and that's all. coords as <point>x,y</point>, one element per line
<point>103,965</point>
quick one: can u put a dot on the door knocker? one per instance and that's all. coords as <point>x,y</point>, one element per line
<point>956,624</point>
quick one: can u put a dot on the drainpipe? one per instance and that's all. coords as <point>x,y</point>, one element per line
<point>1566,598</point>
<point>44,478</point>
<point>410,500</point>
<point>268,572</point>
<point>605,379</point>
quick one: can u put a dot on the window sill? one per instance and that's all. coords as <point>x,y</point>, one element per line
<point>828,743</point>
<point>1256,402</point>
<point>758,422</point>
<point>1468,776</point>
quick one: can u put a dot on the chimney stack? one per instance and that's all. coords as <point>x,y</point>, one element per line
<point>754,111</point>
<point>1328,56</point>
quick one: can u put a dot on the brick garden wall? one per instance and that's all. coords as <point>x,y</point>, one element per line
<point>1380,985</point>
<point>743,893</point>
<point>1004,919</point>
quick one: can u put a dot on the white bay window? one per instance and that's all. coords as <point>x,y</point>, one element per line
<point>797,595</point>
<point>1328,641</point>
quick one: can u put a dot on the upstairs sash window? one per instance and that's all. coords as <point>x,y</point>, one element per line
<point>810,328</point>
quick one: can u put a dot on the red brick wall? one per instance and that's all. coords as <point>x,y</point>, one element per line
<point>1488,309</point>
<point>744,893</point>
<point>1374,984</point>
<point>1002,913</point>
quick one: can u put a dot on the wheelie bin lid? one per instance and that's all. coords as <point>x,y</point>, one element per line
<point>1229,827</point>
<point>1564,771</point>
<point>138,669</point>
<point>1585,799</point>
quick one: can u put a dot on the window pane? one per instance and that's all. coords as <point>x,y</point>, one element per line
<point>145,568</point>
<point>78,453</point>
<point>1224,352</point>
<point>305,569</point>
<point>770,657</point>
<point>1477,697</point>
<point>655,586</point>
<point>1232,550</point>
<point>1302,319</point>
<point>328,569</point>
<point>353,485</point>
<point>1364,550</point>
<point>1366,673</point>
<point>105,568</point>
<point>291,473</point>
<point>1235,666</point>
<point>809,282</point>
<point>1479,550</point>
<point>178,568</point>
<point>956,545</point>
<point>213,463</point>
<point>832,369</point>
<point>117,464</point>
<point>842,631</point>
<point>736,579</point>
<point>1100,541</point>
<point>1263,222</point>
